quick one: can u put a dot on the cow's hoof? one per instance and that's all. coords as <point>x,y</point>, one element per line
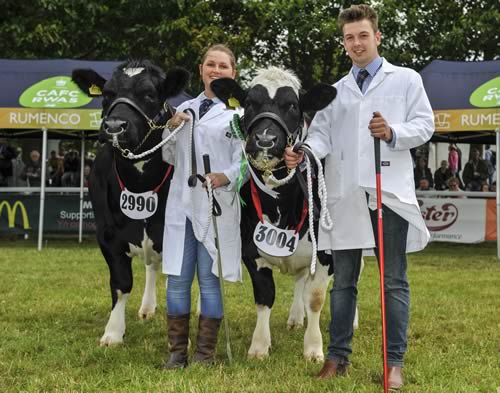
<point>294,325</point>
<point>314,356</point>
<point>146,313</point>
<point>259,352</point>
<point>258,355</point>
<point>110,340</point>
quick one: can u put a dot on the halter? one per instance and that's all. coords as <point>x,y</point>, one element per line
<point>266,165</point>
<point>152,123</point>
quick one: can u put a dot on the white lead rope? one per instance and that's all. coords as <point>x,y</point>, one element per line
<point>325,218</point>
<point>132,156</point>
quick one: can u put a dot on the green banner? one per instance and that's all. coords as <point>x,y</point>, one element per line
<point>20,213</point>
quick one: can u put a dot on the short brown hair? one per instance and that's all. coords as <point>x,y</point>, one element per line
<point>356,13</point>
<point>220,48</point>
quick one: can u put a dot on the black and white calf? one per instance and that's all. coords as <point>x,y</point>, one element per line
<point>129,195</point>
<point>273,119</point>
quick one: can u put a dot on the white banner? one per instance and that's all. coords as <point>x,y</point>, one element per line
<point>459,220</point>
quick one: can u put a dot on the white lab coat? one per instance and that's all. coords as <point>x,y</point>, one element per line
<point>212,136</point>
<point>340,133</point>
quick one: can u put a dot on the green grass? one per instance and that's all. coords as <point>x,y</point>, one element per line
<point>54,306</point>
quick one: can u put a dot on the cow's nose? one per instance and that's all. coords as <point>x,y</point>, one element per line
<point>265,140</point>
<point>115,126</point>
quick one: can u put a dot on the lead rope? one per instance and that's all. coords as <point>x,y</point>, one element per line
<point>325,218</point>
<point>210,193</point>
<point>131,156</point>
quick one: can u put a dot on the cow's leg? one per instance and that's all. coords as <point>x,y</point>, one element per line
<point>120,269</point>
<point>148,304</point>
<point>296,314</point>
<point>152,260</point>
<point>314,298</point>
<point>264,295</point>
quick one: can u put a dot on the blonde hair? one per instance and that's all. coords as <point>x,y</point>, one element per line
<point>220,48</point>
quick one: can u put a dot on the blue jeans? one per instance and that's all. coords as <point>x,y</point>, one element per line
<point>179,287</point>
<point>343,295</point>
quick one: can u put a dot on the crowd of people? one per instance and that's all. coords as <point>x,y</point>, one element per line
<point>62,170</point>
<point>477,174</point>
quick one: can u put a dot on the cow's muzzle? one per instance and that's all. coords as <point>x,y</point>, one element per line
<point>114,127</point>
<point>264,140</point>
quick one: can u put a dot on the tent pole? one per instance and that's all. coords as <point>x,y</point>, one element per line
<point>82,171</point>
<point>497,134</point>
<point>42,188</point>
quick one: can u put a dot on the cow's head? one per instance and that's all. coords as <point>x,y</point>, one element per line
<point>274,112</point>
<point>134,101</point>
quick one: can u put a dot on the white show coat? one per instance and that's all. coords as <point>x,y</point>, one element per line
<point>340,133</point>
<point>212,136</point>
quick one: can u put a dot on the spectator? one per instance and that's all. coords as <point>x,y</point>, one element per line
<point>453,159</point>
<point>485,187</point>
<point>423,185</point>
<point>441,176</point>
<point>475,172</point>
<point>56,169</point>
<point>71,175</point>
<point>86,175</point>
<point>32,172</point>
<point>7,154</point>
<point>17,169</point>
<point>421,171</point>
<point>454,185</point>
<point>490,158</point>
<point>493,186</point>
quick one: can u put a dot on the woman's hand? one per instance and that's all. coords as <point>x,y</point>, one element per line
<point>217,180</point>
<point>177,119</point>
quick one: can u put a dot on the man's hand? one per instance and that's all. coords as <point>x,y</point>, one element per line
<point>293,159</point>
<point>379,128</point>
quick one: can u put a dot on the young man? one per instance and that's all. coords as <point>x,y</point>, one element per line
<point>375,100</point>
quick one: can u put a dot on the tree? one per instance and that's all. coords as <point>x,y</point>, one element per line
<point>298,34</point>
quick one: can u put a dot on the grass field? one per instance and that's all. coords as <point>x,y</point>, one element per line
<point>54,306</point>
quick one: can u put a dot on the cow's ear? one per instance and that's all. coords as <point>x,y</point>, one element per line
<point>88,81</point>
<point>317,98</point>
<point>226,89</point>
<point>176,81</point>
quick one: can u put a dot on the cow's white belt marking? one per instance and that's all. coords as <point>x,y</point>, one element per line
<point>133,71</point>
<point>275,241</point>
<point>138,206</point>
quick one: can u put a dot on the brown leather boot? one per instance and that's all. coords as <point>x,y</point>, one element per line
<point>331,369</point>
<point>178,338</point>
<point>208,330</point>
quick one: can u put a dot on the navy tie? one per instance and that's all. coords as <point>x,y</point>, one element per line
<point>362,75</point>
<point>205,107</point>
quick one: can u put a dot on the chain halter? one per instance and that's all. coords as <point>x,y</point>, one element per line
<point>152,124</point>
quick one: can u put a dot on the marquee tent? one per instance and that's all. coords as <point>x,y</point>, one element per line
<point>465,97</point>
<point>38,98</point>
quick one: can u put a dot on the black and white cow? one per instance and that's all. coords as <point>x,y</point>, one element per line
<point>273,119</point>
<point>129,195</point>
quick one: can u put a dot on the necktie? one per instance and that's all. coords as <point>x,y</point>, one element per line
<point>362,75</point>
<point>204,107</point>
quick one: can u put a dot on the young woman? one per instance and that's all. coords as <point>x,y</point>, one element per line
<point>187,217</point>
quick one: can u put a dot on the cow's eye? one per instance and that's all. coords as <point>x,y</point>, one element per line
<point>292,107</point>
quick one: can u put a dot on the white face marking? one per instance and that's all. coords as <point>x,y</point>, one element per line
<point>133,71</point>
<point>273,78</point>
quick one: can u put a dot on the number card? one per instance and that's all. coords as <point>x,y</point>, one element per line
<point>275,241</point>
<point>138,206</point>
